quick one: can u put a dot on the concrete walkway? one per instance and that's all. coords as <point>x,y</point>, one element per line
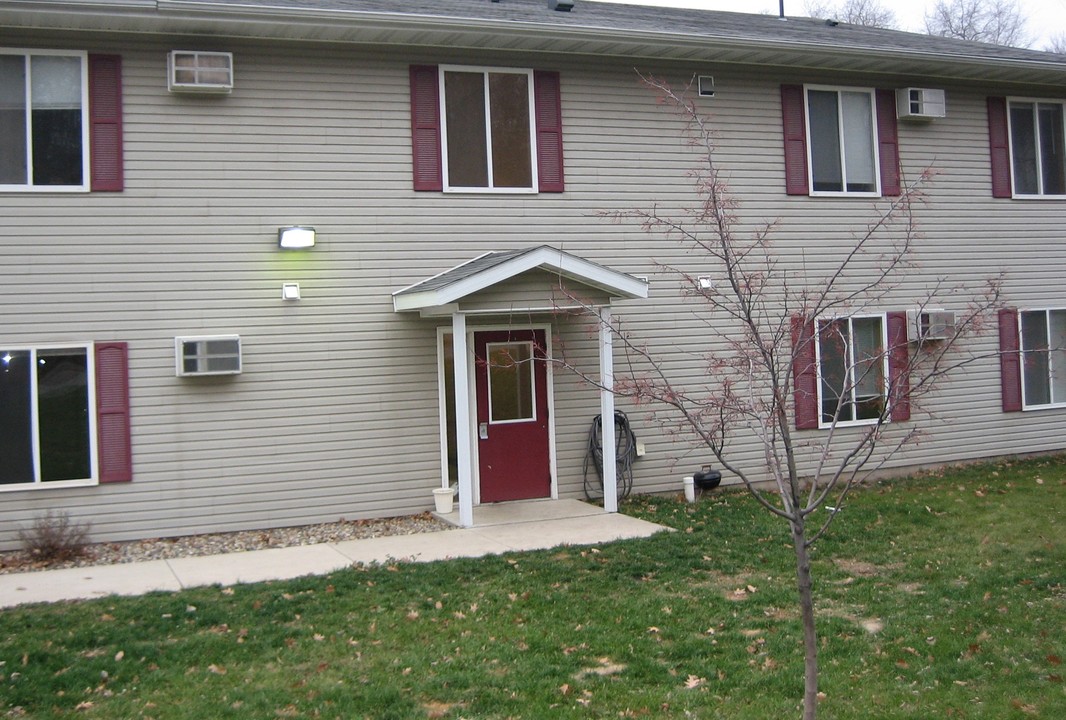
<point>507,527</point>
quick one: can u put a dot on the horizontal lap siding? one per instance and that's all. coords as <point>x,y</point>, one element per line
<point>335,414</point>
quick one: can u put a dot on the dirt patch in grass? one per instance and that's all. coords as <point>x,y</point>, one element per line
<point>605,668</point>
<point>864,569</point>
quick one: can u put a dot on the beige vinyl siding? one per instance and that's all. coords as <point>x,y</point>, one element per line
<point>336,412</point>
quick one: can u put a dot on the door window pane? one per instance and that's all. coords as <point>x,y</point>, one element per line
<point>510,375</point>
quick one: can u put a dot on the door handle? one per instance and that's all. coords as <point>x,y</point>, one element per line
<point>483,431</point>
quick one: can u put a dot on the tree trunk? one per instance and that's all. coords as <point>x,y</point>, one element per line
<point>810,636</point>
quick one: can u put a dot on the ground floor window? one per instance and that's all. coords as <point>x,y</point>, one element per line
<point>1043,357</point>
<point>852,369</point>
<point>47,415</point>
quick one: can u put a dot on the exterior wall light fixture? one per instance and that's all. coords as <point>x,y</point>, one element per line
<point>296,238</point>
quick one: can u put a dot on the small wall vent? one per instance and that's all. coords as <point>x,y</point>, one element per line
<point>920,104</point>
<point>194,71</point>
<point>705,85</point>
<point>208,355</point>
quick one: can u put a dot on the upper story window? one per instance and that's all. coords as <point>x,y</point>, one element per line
<point>486,130</point>
<point>44,127</point>
<point>1043,346</point>
<point>1038,159</point>
<point>843,141</point>
<point>852,369</point>
<point>840,142</point>
<point>489,135</point>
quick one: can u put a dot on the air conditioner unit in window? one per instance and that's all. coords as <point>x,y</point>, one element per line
<point>208,355</point>
<point>920,103</point>
<point>925,325</point>
<point>195,71</point>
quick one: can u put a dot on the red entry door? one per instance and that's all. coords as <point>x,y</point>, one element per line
<point>511,384</point>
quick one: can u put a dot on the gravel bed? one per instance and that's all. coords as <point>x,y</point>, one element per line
<point>216,543</point>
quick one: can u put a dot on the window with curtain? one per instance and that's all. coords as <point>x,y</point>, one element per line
<point>852,369</point>
<point>1038,159</point>
<point>43,120</point>
<point>843,141</point>
<point>488,129</point>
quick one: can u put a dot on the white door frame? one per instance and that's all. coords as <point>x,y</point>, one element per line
<point>471,399</point>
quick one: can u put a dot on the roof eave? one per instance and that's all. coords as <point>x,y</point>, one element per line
<point>332,25</point>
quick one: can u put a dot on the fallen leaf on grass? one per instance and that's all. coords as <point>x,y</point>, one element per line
<point>1026,708</point>
<point>694,681</point>
<point>216,669</point>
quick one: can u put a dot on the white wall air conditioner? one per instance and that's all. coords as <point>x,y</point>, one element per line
<point>208,355</point>
<point>925,325</point>
<point>920,103</point>
<point>195,71</point>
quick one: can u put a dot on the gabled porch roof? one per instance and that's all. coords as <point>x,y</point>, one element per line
<point>442,290</point>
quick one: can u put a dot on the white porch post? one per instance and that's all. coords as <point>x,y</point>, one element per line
<point>610,481</point>
<point>462,421</point>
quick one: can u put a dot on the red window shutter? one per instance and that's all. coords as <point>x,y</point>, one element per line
<point>888,143</point>
<point>549,118</point>
<point>795,129</point>
<point>898,366</point>
<point>999,147</point>
<point>425,128</point>
<point>1010,360</point>
<point>105,123</point>
<point>804,374</point>
<point>113,412</point>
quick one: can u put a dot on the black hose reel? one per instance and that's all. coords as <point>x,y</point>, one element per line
<point>625,451</point>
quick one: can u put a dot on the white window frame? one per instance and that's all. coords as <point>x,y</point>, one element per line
<point>1026,405</point>
<point>850,368</point>
<point>875,148</point>
<point>179,355</point>
<point>85,166</point>
<point>1010,143</point>
<point>485,71</point>
<point>90,370</point>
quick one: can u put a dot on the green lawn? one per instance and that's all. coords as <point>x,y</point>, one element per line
<point>942,596</point>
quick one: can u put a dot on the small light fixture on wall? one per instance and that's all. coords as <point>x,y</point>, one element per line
<point>290,291</point>
<point>296,237</point>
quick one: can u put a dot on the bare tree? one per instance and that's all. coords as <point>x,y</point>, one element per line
<point>763,315</point>
<point>869,13</point>
<point>999,22</point>
<point>1056,44</point>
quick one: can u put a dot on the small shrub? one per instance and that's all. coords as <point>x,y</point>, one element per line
<point>54,537</point>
